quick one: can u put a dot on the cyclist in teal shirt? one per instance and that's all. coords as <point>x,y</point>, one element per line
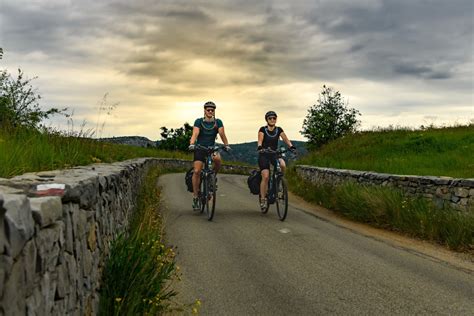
<point>205,132</point>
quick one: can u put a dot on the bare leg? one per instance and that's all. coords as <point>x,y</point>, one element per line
<point>196,176</point>
<point>217,162</point>
<point>282,165</point>
<point>264,183</point>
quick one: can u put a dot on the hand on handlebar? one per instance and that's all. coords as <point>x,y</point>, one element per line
<point>191,147</point>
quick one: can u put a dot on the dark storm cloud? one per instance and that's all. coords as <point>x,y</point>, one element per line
<point>404,33</point>
<point>421,71</point>
<point>268,42</point>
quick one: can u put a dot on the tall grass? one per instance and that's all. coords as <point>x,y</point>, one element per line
<point>389,208</point>
<point>140,268</point>
<point>25,150</point>
<point>432,151</point>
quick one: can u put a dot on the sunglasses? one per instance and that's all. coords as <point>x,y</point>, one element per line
<point>272,118</point>
<point>210,110</point>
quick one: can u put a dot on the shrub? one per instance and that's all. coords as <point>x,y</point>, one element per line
<point>329,119</point>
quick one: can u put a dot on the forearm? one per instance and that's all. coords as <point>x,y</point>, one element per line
<point>224,140</point>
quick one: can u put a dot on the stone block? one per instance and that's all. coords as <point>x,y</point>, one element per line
<point>63,282</point>
<point>34,303</point>
<point>71,268</point>
<point>46,210</point>
<point>4,244</point>
<point>455,199</point>
<point>30,254</point>
<point>47,245</point>
<point>443,180</point>
<point>19,221</point>
<point>79,222</point>
<point>48,291</point>
<point>68,233</point>
<point>60,307</point>
<point>14,296</point>
<point>91,238</point>
<point>6,264</point>
<point>461,192</point>
<point>443,192</point>
<point>467,182</point>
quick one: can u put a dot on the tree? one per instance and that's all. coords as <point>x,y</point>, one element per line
<point>329,119</point>
<point>175,139</point>
<point>19,102</point>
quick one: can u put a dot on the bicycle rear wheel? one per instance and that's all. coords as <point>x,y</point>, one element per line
<point>281,199</point>
<point>211,198</point>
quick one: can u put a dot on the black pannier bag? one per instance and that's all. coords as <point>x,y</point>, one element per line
<point>188,179</point>
<point>253,181</point>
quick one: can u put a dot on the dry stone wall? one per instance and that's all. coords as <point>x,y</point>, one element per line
<point>458,193</point>
<point>55,232</point>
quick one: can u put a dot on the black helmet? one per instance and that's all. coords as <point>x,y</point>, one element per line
<point>270,113</point>
<point>209,104</point>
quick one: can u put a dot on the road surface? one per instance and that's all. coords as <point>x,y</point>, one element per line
<point>247,263</point>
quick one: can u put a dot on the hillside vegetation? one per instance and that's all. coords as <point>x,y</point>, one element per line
<point>27,150</point>
<point>434,151</point>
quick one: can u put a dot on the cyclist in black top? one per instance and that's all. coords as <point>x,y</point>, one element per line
<point>205,132</point>
<point>268,137</point>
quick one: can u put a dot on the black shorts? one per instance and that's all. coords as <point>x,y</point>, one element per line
<point>200,155</point>
<point>264,160</point>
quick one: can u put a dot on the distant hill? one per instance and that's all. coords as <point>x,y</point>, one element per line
<point>247,152</point>
<point>243,152</point>
<point>138,141</point>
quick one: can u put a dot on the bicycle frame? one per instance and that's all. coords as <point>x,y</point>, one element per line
<point>277,192</point>
<point>275,173</point>
<point>207,182</point>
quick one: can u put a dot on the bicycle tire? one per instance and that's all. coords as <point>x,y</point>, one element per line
<point>203,194</point>
<point>281,199</point>
<point>211,199</point>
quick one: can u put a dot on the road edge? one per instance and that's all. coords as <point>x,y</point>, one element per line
<point>434,252</point>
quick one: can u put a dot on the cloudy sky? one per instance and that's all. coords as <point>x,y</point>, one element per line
<point>399,62</point>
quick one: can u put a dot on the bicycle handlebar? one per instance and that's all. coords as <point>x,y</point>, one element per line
<point>279,151</point>
<point>211,149</point>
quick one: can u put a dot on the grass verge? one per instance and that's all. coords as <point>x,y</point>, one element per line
<point>140,270</point>
<point>390,209</point>
<point>23,150</point>
<point>431,151</point>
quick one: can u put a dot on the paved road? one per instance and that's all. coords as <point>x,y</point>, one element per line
<point>246,263</point>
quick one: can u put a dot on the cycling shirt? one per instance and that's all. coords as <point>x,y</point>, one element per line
<point>207,131</point>
<point>270,138</point>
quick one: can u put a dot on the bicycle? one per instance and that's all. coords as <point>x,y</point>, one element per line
<point>277,192</point>
<point>207,184</point>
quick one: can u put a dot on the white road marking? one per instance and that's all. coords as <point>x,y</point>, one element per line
<point>284,231</point>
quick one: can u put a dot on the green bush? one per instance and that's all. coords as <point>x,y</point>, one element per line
<point>329,119</point>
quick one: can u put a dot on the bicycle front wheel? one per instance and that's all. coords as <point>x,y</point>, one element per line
<point>203,193</point>
<point>211,199</point>
<point>281,198</point>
